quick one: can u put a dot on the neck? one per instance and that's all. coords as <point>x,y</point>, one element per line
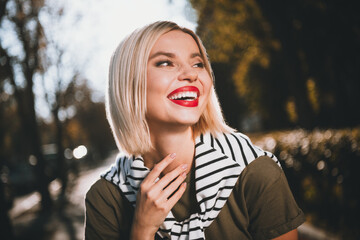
<point>166,142</point>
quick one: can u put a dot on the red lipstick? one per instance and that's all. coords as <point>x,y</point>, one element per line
<point>187,96</point>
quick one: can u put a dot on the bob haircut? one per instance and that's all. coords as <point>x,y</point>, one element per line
<point>126,90</point>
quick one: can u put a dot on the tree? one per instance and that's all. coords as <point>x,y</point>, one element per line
<point>239,39</point>
<point>22,64</point>
<point>6,229</point>
<point>57,72</point>
<point>320,43</point>
<point>88,125</point>
<point>293,63</point>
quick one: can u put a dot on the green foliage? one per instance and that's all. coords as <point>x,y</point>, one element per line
<point>235,33</point>
<point>322,170</point>
<point>293,63</point>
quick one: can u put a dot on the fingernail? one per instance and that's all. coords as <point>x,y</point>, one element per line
<point>184,166</point>
<point>183,174</point>
<point>173,155</point>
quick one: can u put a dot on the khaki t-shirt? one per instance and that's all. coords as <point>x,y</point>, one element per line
<point>261,206</point>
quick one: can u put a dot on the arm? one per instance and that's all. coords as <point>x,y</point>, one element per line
<point>292,235</point>
<point>273,212</point>
<point>155,199</point>
<point>108,213</point>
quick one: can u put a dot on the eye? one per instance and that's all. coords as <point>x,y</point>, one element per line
<point>199,65</point>
<point>165,63</point>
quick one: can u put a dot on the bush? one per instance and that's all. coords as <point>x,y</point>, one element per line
<point>322,167</point>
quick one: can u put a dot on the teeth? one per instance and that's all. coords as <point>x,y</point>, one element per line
<point>184,95</point>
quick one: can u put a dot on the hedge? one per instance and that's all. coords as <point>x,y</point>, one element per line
<point>323,171</point>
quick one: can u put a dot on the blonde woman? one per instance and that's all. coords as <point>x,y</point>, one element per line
<point>181,173</point>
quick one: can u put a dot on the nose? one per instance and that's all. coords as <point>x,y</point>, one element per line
<point>188,74</point>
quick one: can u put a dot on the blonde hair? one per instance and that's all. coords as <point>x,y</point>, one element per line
<point>126,90</point>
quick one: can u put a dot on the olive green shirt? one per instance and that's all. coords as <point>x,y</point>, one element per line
<point>261,206</point>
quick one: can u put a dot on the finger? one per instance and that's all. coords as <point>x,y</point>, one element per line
<point>159,167</point>
<point>177,195</point>
<point>169,177</point>
<point>173,187</point>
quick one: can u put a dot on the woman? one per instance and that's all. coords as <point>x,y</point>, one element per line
<point>182,172</point>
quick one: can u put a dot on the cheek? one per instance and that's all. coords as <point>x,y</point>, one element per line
<point>207,85</point>
<point>153,85</point>
<point>158,81</point>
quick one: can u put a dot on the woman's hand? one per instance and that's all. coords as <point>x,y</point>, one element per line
<point>153,201</point>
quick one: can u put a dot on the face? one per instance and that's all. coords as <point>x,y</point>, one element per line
<point>178,85</point>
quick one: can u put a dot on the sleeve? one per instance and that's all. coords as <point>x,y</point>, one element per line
<point>271,206</point>
<point>107,214</point>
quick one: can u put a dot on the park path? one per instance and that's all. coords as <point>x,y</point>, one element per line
<point>67,224</point>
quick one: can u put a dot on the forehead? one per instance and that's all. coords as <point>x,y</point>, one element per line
<point>176,40</point>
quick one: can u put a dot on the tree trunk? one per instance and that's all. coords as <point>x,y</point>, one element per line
<point>31,128</point>
<point>6,231</point>
<point>62,166</point>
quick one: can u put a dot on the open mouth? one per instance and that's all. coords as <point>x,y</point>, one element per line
<point>185,96</point>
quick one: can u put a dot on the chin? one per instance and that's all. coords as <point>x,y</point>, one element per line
<point>188,121</point>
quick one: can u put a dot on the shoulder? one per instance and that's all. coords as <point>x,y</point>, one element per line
<point>105,195</point>
<point>108,213</point>
<point>262,171</point>
<point>258,178</point>
<point>102,189</point>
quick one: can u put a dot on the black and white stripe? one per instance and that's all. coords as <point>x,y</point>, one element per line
<point>218,163</point>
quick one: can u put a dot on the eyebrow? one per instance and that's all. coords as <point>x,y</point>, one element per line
<point>171,55</point>
<point>194,55</point>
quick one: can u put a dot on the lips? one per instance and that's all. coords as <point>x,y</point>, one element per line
<point>187,96</point>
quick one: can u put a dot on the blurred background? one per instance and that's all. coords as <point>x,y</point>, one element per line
<point>287,74</point>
